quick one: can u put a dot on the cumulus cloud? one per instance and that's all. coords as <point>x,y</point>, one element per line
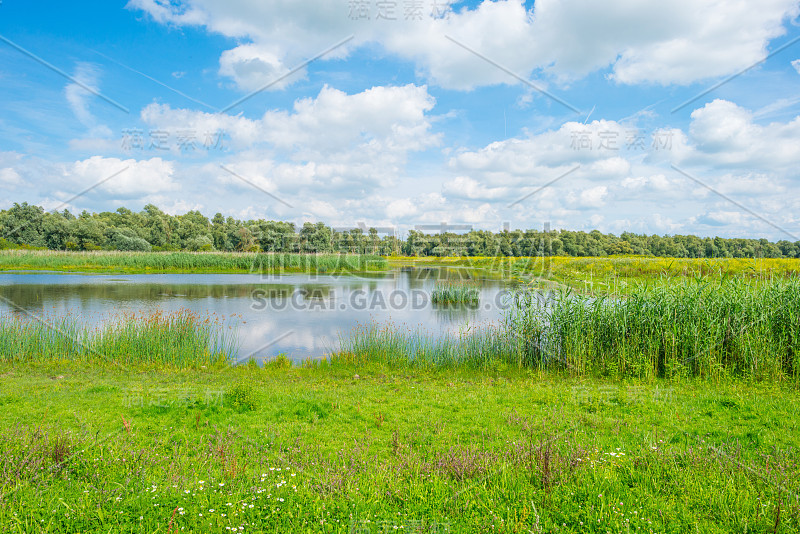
<point>593,197</point>
<point>656,182</point>
<point>465,187</point>
<point>401,208</point>
<point>726,135</point>
<point>9,177</point>
<point>333,141</point>
<point>254,67</point>
<point>681,42</point>
<point>131,178</point>
<point>724,147</point>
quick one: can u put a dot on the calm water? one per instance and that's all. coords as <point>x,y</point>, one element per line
<point>298,315</point>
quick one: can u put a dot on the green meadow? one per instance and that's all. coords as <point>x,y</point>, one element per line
<point>376,448</point>
<point>667,407</point>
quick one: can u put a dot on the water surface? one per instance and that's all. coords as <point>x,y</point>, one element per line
<point>298,315</point>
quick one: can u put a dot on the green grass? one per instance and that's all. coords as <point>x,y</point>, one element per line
<point>187,262</point>
<point>455,293</point>
<point>615,274</point>
<point>179,340</point>
<point>405,348</point>
<point>703,329</point>
<point>109,449</point>
<point>719,330</point>
<point>672,409</point>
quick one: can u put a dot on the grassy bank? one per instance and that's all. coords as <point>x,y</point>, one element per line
<point>370,448</point>
<point>187,262</point>
<point>615,274</point>
<point>180,340</point>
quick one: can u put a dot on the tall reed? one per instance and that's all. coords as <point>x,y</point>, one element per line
<point>691,328</point>
<point>477,349</point>
<point>455,293</point>
<point>181,340</point>
<point>705,329</point>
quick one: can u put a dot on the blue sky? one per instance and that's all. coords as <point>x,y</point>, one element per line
<point>414,112</point>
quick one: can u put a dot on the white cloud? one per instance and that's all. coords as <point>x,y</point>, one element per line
<point>724,218</point>
<point>593,197</point>
<point>321,210</point>
<point>170,12</point>
<point>254,67</point>
<point>9,177</point>
<point>135,178</point>
<point>681,41</point>
<point>333,141</point>
<point>179,207</point>
<point>796,65</point>
<point>78,97</point>
<point>725,134</point>
<point>610,167</point>
<point>465,187</point>
<point>478,215</point>
<point>725,148</point>
<point>657,182</point>
<point>400,209</point>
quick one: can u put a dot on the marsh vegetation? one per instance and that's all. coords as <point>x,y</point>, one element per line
<point>648,410</point>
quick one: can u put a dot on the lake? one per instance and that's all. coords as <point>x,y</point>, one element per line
<point>298,315</point>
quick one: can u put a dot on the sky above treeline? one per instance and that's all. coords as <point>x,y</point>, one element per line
<point>677,117</point>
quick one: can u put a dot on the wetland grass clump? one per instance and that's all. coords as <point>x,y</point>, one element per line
<point>481,349</point>
<point>694,328</point>
<point>455,293</point>
<point>178,340</point>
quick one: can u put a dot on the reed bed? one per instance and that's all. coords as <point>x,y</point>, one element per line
<point>667,329</point>
<point>722,329</point>
<point>189,261</point>
<point>181,340</point>
<point>455,293</point>
<point>476,349</point>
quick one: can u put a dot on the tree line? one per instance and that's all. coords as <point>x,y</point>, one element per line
<point>30,226</point>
